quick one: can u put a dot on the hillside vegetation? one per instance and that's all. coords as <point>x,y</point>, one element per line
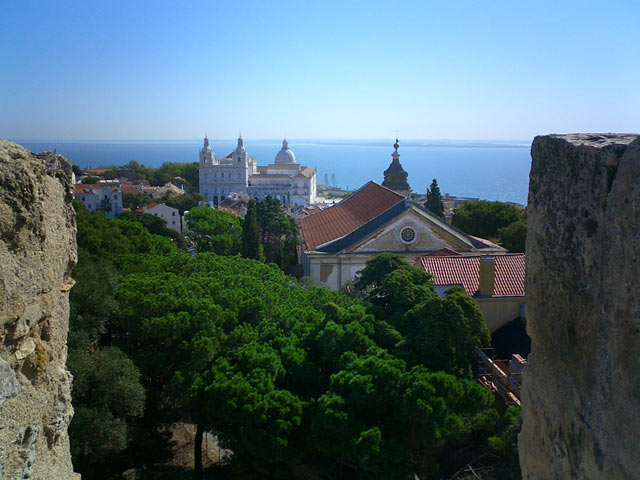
<point>294,379</point>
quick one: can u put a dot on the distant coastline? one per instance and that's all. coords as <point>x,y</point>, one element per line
<point>491,170</point>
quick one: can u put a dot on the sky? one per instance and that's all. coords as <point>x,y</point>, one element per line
<point>445,69</point>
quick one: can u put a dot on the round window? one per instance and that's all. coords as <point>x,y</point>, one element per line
<point>408,234</point>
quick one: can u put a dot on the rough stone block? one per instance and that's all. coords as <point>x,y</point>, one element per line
<point>581,388</point>
<point>37,253</point>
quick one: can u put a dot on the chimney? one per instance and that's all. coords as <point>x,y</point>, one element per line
<point>487,275</point>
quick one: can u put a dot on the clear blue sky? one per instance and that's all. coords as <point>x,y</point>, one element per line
<point>481,69</point>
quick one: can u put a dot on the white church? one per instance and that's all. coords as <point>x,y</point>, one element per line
<point>286,180</point>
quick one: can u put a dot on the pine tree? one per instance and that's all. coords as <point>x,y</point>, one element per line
<point>434,199</point>
<point>251,236</point>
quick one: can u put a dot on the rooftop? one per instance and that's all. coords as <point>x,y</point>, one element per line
<point>339,220</point>
<point>465,271</point>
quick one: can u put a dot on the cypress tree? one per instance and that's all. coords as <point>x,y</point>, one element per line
<point>251,244</point>
<point>434,199</point>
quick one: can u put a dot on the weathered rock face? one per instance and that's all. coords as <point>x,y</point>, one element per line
<point>37,253</point>
<point>581,392</point>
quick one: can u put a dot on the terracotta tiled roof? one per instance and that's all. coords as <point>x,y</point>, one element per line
<point>130,190</point>
<point>151,205</point>
<point>80,188</point>
<point>465,271</point>
<point>337,221</point>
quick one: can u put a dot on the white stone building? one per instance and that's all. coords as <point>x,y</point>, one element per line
<point>99,197</point>
<point>286,180</point>
<point>168,214</point>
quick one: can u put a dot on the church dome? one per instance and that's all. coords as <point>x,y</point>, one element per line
<point>285,155</point>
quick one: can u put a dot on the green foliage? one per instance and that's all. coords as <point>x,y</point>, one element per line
<point>514,236</point>
<point>167,172</point>
<point>107,396</point>
<point>107,393</point>
<point>505,446</point>
<point>279,233</point>
<point>251,234</point>
<point>288,376</point>
<point>439,333</point>
<point>156,226</point>
<point>185,202</point>
<point>135,201</point>
<point>485,219</point>
<point>91,179</point>
<point>91,301</point>
<point>434,199</point>
<point>444,332</point>
<point>215,230</point>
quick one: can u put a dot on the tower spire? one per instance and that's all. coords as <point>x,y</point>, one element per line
<point>395,177</point>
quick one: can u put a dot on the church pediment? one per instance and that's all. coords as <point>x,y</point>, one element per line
<point>413,230</point>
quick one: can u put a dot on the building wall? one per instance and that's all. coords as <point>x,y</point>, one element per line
<point>221,177</point>
<point>498,311</point>
<point>333,271</point>
<point>169,214</point>
<point>102,199</point>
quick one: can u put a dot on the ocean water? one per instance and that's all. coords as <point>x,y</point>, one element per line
<point>487,170</point>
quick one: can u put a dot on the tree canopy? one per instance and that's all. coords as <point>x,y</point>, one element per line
<point>251,234</point>
<point>279,233</point>
<point>184,202</point>
<point>434,199</point>
<point>168,171</point>
<point>290,377</point>
<point>214,230</point>
<point>492,220</point>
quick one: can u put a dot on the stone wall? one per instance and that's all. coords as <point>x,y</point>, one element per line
<point>37,253</point>
<point>581,392</point>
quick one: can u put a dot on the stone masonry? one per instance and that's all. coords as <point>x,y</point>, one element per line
<point>37,253</point>
<point>581,391</point>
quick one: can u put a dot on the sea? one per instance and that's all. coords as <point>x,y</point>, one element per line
<point>484,169</point>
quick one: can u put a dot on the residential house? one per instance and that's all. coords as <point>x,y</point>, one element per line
<point>99,197</point>
<point>169,214</point>
<point>496,282</point>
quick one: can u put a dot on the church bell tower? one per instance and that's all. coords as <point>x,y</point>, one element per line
<point>395,177</point>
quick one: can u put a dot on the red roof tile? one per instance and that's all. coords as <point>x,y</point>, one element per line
<point>465,271</point>
<point>337,221</point>
<point>80,188</point>
<point>130,190</point>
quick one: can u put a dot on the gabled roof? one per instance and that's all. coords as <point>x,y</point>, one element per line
<point>465,271</point>
<point>335,222</point>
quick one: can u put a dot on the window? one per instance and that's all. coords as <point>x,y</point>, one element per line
<point>408,235</point>
<point>173,214</point>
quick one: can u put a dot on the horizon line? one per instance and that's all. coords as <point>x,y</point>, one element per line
<point>176,140</point>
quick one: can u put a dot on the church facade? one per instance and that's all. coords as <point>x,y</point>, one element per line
<point>338,241</point>
<point>285,179</point>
